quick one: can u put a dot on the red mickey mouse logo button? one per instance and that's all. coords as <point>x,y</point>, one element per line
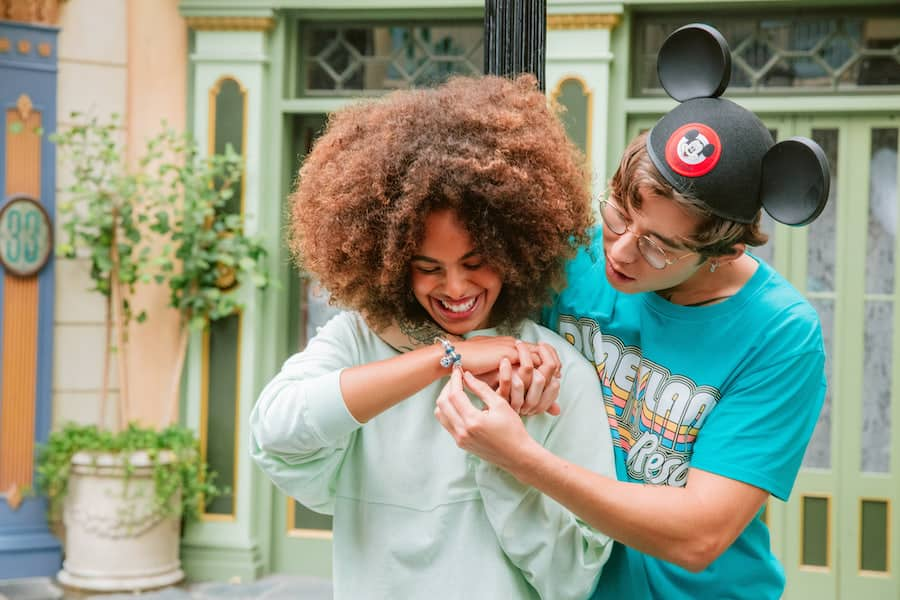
<point>693,150</point>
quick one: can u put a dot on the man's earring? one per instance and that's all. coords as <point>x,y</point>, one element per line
<point>713,265</point>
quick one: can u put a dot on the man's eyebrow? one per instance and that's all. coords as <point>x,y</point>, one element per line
<point>665,240</point>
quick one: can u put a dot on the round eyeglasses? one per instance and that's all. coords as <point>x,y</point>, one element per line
<point>617,222</point>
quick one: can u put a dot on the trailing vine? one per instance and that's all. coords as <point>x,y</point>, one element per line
<point>184,471</point>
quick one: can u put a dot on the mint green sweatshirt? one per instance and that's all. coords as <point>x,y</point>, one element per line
<point>415,516</point>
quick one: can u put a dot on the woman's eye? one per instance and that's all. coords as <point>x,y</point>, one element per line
<point>427,270</point>
<point>474,266</point>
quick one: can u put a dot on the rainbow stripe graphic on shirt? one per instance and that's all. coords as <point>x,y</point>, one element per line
<point>654,415</point>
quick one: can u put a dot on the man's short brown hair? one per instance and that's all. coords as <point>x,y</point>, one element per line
<point>715,236</point>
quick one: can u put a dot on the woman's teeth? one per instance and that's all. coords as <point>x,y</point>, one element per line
<point>459,307</point>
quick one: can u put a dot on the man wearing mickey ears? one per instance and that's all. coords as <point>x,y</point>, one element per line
<point>711,364</point>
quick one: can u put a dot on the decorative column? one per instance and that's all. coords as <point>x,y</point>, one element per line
<point>227,364</point>
<point>579,55</point>
<point>28,62</point>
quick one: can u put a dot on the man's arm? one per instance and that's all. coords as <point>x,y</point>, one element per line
<point>701,519</point>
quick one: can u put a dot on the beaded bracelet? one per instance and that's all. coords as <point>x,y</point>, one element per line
<point>451,358</point>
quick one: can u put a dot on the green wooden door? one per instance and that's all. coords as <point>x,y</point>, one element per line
<point>836,536</point>
<point>301,538</point>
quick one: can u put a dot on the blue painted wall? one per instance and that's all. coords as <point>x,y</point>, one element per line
<point>26,546</point>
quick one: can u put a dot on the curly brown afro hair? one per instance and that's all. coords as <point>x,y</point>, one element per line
<point>489,148</point>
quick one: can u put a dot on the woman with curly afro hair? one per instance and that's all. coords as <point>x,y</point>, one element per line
<point>447,215</point>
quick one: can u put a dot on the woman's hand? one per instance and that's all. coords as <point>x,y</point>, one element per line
<point>483,354</point>
<point>495,434</point>
<point>531,386</point>
<point>528,375</point>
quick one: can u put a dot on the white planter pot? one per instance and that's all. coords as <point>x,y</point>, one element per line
<point>116,540</point>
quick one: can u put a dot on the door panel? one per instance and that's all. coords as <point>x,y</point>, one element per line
<point>837,536</point>
<point>301,538</point>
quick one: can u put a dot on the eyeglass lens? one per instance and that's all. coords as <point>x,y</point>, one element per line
<point>618,224</point>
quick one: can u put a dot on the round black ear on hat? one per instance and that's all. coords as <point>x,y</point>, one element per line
<point>795,181</point>
<point>694,62</point>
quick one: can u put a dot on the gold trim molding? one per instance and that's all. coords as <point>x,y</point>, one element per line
<point>609,21</point>
<point>24,106</point>
<point>588,93</point>
<point>231,23</point>
<point>14,497</point>
<point>44,12</point>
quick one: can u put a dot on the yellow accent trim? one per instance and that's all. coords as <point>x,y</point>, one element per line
<point>30,11</point>
<point>211,125</point>
<point>231,23</point>
<point>589,94</point>
<point>314,534</point>
<point>816,568</point>
<point>24,46</point>
<point>216,517</point>
<point>4,44</point>
<point>24,106</point>
<point>20,320</point>
<point>887,551</point>
<point>14,497</point>
<point>204,415</point>
<point>608,21</point>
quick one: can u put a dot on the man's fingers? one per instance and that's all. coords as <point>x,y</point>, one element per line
<point>550,365</point>
<point>551,390</point>
<point>482,390</point>
<point>516,392</point>
<point>446,411</point>
<point>505,378</point>
<point>526,365</point>
<point>533,397</point>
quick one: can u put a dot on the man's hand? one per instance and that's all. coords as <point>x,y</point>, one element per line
<point>495,434</point>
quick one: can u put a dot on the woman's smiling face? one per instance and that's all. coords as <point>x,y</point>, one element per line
<point>451,281</point>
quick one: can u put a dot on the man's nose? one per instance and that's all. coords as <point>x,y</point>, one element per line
<point>625,249</point>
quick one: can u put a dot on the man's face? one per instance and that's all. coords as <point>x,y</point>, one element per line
<point>664,222</point>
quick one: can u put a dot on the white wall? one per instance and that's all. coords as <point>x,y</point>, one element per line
<point>93,79</point>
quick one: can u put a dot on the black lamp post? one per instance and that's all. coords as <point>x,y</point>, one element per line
<point>515,37</point>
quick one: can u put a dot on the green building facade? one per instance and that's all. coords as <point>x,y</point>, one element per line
<point>264,74</point>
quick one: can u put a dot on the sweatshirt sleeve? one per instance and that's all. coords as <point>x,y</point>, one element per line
<point>300,428</point>
<point>560,555</point>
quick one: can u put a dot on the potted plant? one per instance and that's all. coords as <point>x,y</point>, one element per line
<point>123,494</point>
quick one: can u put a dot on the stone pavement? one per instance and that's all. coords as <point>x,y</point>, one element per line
<point>273,587</point>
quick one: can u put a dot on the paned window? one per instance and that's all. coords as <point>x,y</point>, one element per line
<point>343,59</point>
<point>788,53</point>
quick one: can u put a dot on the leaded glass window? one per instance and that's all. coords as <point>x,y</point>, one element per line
<point>788,53</point>
<point>345,59</point>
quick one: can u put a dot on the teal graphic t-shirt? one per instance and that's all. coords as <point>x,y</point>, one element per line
<point>733,388</point>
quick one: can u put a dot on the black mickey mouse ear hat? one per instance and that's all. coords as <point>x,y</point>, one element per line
<point>716,151</point>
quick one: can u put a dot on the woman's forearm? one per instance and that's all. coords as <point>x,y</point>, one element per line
<point>371,389</point>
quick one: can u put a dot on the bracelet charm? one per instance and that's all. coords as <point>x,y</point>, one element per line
<point>451,358</point>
